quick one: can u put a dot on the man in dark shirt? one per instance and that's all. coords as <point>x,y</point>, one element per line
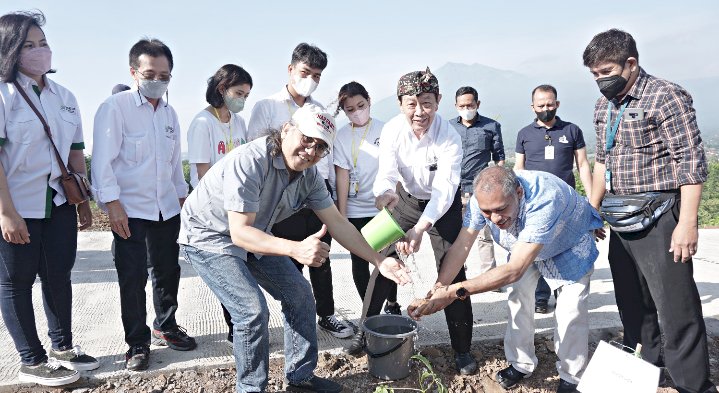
<point>655,146</point>
<point>481,142</point>
<point>552,145</point>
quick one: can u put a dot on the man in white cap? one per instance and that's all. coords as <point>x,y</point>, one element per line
<point>225,235</point>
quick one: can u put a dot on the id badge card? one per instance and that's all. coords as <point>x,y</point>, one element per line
<point>608,181</point>
<point>549,152</point>
<point>354,185</point>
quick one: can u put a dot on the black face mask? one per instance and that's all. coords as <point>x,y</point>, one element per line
<point>610,86</point>
<point>546,116</point>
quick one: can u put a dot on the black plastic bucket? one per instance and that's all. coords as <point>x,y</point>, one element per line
<point>390,345</point>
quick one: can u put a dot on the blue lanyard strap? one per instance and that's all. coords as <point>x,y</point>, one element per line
<point>612,128</point>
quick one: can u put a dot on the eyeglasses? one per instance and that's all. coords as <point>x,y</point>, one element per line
<point>321,149</point>
<point>152,76</point>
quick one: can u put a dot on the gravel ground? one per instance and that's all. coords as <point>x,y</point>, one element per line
<point>352,373</point>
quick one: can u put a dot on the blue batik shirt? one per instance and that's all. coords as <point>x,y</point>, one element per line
<point>553,214</point>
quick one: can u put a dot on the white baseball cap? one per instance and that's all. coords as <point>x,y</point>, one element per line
<point>315,122</point>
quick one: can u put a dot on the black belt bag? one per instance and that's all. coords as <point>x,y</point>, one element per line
<point>635,212</point>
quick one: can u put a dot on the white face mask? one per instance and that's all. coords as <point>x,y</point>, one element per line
<point>304,86</point>
<point>467,114</point>
<point>360,116</point>
<point>151,88</point>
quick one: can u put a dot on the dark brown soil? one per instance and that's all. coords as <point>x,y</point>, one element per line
<point>352,373</point>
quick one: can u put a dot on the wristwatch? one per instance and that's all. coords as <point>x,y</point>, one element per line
<point>461,292</point>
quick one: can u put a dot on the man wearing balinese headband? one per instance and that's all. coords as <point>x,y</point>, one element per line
<point>423,152</point>
<point>304,71</point>
<point>227,237</point>
<point>649,145</point>
<point>138,180</point>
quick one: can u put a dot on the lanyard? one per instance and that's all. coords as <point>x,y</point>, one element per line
<point>230,144</point>
<point>611,130</point>
<point>355,153</point>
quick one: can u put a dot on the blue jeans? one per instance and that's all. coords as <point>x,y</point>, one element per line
<point>237,284</point>
<point>542,293</point>
<point>51,256</point>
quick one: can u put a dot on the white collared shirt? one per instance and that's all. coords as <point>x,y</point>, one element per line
<point>404,158</point>
<point>26,153</point>
<point>274,111</point>
<point>136,156</point>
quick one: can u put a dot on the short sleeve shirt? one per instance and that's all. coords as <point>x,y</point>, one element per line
<point>247,180</point>
<point>208,140</point>
<point>356,149</point>
<point>564,137</point>
<point>551,213</point>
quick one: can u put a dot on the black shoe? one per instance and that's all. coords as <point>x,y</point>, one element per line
<point>356,346</point>
<point>48,373</point>
<point>176,339</point>
<point>541,307</point>
<point>75,359</point>
<point>137,358</point>
<point>509,377</point>
<point>465,363</point>
<point>566,387</point>
<point>314,384</point>
<point>393,309</point>
<point>335,327</point>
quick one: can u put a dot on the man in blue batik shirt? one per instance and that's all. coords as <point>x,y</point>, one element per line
<point>548,230</point>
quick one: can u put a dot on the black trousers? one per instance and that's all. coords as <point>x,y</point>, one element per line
<point>152,243</point>
<point>442,235</point>
<point>298,227</point>
<point>360,267</point>
<point>653,292</point>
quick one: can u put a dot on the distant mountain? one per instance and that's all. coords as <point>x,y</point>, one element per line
<point>506,97</point>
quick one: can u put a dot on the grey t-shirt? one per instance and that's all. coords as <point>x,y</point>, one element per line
<point>247,180</point>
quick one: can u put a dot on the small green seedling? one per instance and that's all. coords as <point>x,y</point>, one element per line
<point>429,381</point>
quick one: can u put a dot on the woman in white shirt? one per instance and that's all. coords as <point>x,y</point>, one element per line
<point>218,129</point>
<point>356,156</point>
<point>39,228</point>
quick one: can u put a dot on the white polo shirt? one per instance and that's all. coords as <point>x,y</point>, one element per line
<point>208,139</point>
<point>136,157</point>
<point>26,154</point>
<point>274,111</point>
<point>356,149</point>
<point>404,158</point>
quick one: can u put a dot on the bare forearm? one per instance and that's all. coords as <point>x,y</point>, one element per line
<point>351,239</point>
<point>456,256</point>
<point>689,210</point>
<point>6,204</point>
<point>202,169</point>
<point>343,179</point>
<point>76,161</point>
<point>521,257</point>
<point>585,175</point>
<point>257,241</point>
<point>598,185</point>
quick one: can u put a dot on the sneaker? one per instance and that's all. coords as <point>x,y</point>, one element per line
<point>75,359</point>
<point>465,363</point>
<point>314,384</point>
<point>509,377</point>
<point>566,387</point>
<point>48,373</point>
<point>176,339</point>
<point>356,346</point>
<point>541,307</point>
<point>137,358</point>
<point>393,309</point>
<point>334,326</point>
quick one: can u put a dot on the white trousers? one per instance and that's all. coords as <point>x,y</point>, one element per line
<point>571,327</point>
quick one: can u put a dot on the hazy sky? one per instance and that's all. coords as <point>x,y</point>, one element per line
<point>373,42</point>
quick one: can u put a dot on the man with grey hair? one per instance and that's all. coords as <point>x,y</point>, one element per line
<point>547,229</point>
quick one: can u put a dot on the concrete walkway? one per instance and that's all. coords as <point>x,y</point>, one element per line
<point>98,329</point>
